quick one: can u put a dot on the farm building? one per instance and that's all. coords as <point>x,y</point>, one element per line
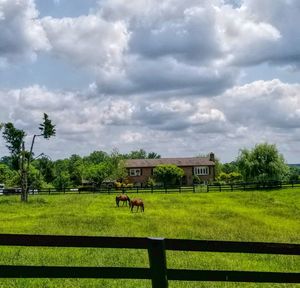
<point>140,170</point>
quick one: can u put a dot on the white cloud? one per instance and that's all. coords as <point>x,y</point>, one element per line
<point>181,126</point>
<point>283,15</point>
<point>264,104</point>
<point>88,41</point>
<point>164,75</point>
<point>131,137</point>
<point>21,34</point>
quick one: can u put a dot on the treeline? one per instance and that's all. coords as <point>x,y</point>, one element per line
<point>260,164</point>
<point>74,171</point>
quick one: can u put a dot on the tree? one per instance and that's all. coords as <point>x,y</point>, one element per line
<point>138,154</point>
<point>62,180</point>
<point>21,158</point>
<point>153,155</point>
<point>96,157</point>
<point>294,173</point>
<point>230,167</point>
<point>168,174</point>
<point>97,173</point>
<point>262,163</point>
<point>7,176</point>
<point>76,169</point>
<point>141,154</point>
<point>14,138</point>
<point>46,168</point>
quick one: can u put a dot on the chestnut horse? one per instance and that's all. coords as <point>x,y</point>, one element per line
<point>124,198</point>
<point>138,203</point>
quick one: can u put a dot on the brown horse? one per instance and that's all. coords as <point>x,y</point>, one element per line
<point>138,203</point>
<point>124,198</point>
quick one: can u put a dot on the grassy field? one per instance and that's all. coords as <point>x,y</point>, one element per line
<point>272,216</point>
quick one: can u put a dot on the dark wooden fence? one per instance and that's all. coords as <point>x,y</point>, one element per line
<point>157,271</point>
<point>108,190</point>
<point>242,186</point>
<point>247,186</point>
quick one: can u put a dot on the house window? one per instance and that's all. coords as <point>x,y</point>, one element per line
<point>202,170</point>
<point>135,172</point>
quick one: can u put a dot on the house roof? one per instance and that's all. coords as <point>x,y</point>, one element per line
<point>180,162</point>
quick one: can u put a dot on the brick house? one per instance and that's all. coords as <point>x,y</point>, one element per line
<point>140,170</point>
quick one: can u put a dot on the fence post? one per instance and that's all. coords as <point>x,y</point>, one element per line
<point>49,191</point>
<point>207,188</point>
<point>151,188</point>
<point>158,262</point>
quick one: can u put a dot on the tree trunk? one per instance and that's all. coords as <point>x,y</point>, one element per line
<point>24,195</point>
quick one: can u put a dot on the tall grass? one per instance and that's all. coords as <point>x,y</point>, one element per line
<point>238,216</point>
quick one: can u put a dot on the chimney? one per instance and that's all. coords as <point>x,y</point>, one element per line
<point>211,157</point>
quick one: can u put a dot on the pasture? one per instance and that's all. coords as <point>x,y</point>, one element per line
<point>268,216</point>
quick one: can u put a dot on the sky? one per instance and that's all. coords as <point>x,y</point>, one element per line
<point>180,78</point>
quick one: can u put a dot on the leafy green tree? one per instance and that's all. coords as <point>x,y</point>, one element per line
<point>294,173</point>
<point>96,157</point>
<point>218,167</point>
<point>168,174</point>
<point>7,160</point>
<point>76,169</point>
<point>62,180</point>
<point>223,177</point>
<point>46,168</point>
<point>153,155</point>
<point>141,154</point>
<point>118,171</point>
<point>6,175</point>
<point>262,163</point>
<point>97,173</point>
<point>137,154</point>
<point>234,177</point>
<point>230,167</point>
<point>35,178</point>
<point>20,157</point>
<point>14,138</point>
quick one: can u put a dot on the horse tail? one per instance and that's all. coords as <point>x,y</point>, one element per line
<point>143,208</point>
<point>117,201</point>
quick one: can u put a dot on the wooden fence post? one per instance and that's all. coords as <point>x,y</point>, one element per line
<point>207,188</point>
<point>194,188</point>
<point>158,262</point>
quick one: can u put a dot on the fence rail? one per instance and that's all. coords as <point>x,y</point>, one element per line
<point>243,186</point>
<point>157,272</point>
<point>248,186</point>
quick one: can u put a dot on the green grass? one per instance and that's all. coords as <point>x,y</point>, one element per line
<point>239,216</point>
